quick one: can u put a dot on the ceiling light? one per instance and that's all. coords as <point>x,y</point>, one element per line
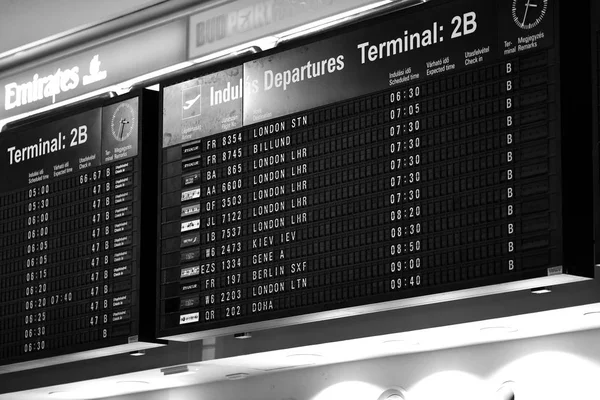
<point>541,290</point>
<point>393,394</point>
<point>592,314</point>
<point>324,23</point>
<point>247,51</point>
<point>243,335</point>
<point>138,353</point>
<point>126,86</point>
<point>498,329</point>
<point>400,343</point>
<point>236,377</point>
<point>263,44</point>
<point>506,391</point>
<point>180,369</point>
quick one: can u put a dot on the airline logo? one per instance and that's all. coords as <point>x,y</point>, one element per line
<point>190,102</point>
<point>190,194</point>
<point>190,302</point>
<point>191,179</point>
<point>555,271</point>
<point>191,255</point>
<point>192,149</point>
<point>189,318</point>
<point>190,272</point>
<point>190,210</point>
<point>190,225</point>
<point>50,86</point>
<point>96,74</point>
<point>191,163</point>
<point>187,288</point>
<point>190,240</point>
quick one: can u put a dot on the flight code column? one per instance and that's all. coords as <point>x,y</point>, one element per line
<point>224,215</point>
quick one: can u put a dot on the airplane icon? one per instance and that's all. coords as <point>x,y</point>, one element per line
<point>190,103</point>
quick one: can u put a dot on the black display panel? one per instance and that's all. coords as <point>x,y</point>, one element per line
<point>595,86</point>
<point>71,204</point>
<point>422,152</point>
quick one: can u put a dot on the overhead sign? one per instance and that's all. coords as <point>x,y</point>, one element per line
<point>454,36</point>
<point>242,21</point>
<point>202,106</point>
<point>93,69</point>
<point>49,87</point>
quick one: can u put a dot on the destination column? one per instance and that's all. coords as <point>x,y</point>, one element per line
<point>278,208</point>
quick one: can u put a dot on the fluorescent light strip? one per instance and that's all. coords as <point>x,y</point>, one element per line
<point>264,43</point>
<point>338,19</point>
<point>151,75</point>
<point>65,395</point>
<point>40,42</point>
<point>322,23</point>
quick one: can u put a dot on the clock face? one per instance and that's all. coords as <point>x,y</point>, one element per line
<point>528,14</point>
<point>123,121</point>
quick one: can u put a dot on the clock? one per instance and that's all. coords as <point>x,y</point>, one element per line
<point>123,121</point>
<point>528,14</point>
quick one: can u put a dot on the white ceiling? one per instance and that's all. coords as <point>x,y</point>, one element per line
<point>26,21</point>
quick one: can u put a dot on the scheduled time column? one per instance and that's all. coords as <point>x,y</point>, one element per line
<point>404,199</point>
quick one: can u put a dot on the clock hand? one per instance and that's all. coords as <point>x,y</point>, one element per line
<point>526,10</point>
<point>123,123</point>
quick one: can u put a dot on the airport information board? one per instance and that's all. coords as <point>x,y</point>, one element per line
<point>70,205</point>
<point>414,154</point>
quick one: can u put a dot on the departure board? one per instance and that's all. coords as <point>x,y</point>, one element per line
<point>70,237</point>
<point>414,154</point>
